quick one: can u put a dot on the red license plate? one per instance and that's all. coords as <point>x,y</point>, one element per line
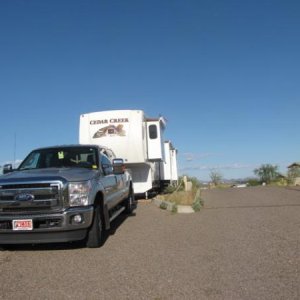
<point>22,224</point>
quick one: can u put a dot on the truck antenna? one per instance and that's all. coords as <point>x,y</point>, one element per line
<point>15,149</point>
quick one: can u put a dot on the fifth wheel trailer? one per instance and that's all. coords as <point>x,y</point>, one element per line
<point>133,137</point>
<point>168,168</point>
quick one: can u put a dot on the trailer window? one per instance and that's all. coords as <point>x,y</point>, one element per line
<point>153,132</point>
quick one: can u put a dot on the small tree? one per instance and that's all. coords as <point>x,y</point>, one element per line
<point>215,177</point>
<point>267,172</point>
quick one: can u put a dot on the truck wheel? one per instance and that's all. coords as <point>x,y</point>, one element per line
<point>129,202</point>
<point>95,234</point>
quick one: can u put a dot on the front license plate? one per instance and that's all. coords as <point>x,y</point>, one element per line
<point>22,224</point>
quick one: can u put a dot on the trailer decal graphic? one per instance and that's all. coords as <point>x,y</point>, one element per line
<point>110,130</point>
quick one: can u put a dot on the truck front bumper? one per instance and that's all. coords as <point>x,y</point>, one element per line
<point>69,225</point>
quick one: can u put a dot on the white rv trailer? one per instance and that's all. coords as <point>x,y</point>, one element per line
<point>133,137</point>
<point>168,168</point>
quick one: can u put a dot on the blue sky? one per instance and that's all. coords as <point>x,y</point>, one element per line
<point>225,74</point>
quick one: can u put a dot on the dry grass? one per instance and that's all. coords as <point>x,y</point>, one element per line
<point>180,198</point>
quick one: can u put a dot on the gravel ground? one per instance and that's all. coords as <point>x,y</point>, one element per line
<point>243,245</point>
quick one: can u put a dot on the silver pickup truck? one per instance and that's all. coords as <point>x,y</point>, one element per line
<point>62,194</point>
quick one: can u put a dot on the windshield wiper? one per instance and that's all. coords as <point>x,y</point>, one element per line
<point>25,169</point>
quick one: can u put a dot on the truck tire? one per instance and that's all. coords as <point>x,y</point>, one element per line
<point>129,202</point>
<point>95,235</point>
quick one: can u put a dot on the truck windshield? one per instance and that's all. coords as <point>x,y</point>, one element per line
<point>64,157</point>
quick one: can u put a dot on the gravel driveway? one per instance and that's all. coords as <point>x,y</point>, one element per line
<point>243,245</point>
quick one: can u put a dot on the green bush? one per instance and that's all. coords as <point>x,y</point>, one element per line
<point>254,182</point>
<point>174,209</point>
<point>163,205</point>
<point>169,189</point>
<point>197,205</point>
<point>198,202</point>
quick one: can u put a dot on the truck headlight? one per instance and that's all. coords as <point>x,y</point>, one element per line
<point>79,193</point>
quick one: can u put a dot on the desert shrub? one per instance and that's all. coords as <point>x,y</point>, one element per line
<point>174,209</point>
<point>195,181</point>
<point>180,187</point>
<point>280,182</point>
<point>163,205</point>
<point>254,182</point>
<point>169,189</point>
<point>179,196</point>
<point>198,202</point>
<point>197,205</point>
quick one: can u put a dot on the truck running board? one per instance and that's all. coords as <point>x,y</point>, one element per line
<point>116,213</point>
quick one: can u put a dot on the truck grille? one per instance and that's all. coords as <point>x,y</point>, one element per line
<point>31,197</point>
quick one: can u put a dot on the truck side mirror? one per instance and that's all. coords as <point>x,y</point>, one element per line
<point>118,166</point>
<point>107,169</point>
<point>7,168</point>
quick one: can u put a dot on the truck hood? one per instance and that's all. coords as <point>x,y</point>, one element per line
<point>65,174</point>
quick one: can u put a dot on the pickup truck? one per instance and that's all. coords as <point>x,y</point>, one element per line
<point>62,194</point>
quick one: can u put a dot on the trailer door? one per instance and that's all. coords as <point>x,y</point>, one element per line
<point>154,141</point>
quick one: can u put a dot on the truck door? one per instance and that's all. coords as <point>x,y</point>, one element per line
<point>109,181</point>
